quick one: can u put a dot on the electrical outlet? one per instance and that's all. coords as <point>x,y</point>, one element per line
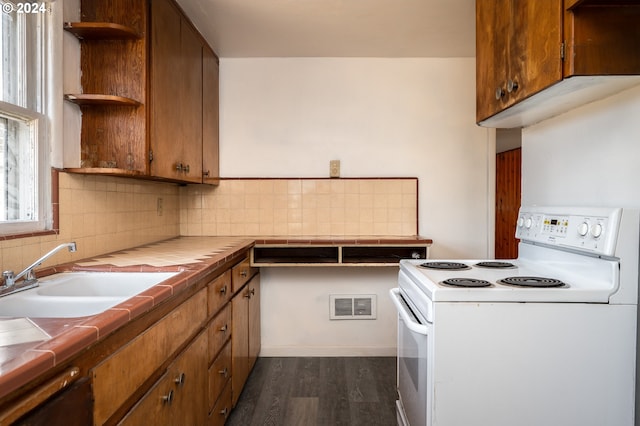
<point>159,206</point>
<point>334,168</point>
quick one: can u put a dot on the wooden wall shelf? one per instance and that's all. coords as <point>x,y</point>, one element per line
<point>101,31</point>
<point>106,100</point>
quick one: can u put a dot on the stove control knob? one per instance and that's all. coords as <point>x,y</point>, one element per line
<point>528,222</point>
<point>583,229</point>
<point>520,222</point>
<point>596,230</point>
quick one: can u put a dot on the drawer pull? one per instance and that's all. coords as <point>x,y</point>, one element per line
<point>180,379</point>
<point>243,273</point>
<point>223,290</point>
<point>166,399</point>
<point>224,328</point>
<point>224,372</point>
<point>224,412</point>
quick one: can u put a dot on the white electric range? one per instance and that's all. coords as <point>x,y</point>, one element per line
<point>545,339</point>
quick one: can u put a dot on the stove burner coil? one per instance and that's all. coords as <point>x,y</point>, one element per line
<point>496,265</point>
<point>532,282</point>
<point>466,282</point>
<point>449,266</point>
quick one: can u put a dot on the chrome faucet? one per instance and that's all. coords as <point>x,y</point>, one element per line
<point>30,280</point>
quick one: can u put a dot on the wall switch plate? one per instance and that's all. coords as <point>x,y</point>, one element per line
<point>334,168</point>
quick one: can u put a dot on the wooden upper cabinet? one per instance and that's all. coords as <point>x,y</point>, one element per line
<point>210,117</point>
<point>149,96</point>
<point>537,59</point>
<point>176,95</point>
<point>518,48</point>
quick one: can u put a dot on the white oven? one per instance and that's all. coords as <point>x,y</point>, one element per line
<point>414,375</point>
<point>545,339</point>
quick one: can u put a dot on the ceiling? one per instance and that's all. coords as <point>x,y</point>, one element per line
<point>336,28</point>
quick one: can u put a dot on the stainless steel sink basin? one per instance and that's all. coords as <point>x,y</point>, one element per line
<point>77,294</point>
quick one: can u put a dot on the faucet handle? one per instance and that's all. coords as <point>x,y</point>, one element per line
<point>8,278</point>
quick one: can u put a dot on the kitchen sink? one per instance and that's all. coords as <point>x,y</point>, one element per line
<point>78,294</point>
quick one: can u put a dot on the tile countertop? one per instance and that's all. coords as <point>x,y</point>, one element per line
<point>194,257</point>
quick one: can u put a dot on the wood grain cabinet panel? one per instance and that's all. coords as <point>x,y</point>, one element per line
<point>219,331</point>
<point>219,374</point>
<point>245,333</point>
<point>537,59</point>
<point>119,376</point>
<point>219,292</point>
<point>179,397</point>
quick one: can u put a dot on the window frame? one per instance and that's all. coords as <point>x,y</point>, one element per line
<point>38,96</point>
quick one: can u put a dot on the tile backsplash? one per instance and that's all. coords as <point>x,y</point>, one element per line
<point>102,214</point>
<point>105,214</point>
<point>301,207</point>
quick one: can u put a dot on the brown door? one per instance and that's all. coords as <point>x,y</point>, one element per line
<point>508,190</point>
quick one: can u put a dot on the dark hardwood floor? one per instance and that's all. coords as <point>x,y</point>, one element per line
<point>319,392</point>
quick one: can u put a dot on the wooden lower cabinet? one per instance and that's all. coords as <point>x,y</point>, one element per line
<point>178,398</point>
<point>245,308</point>
<point>219,375</point>
<point>221,410</point>
<point>117,378</point>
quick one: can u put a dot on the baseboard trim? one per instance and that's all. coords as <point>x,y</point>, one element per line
<point>332,351</point>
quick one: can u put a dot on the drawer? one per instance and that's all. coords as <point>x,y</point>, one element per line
<point>219,374</point>
<point>123,373</point>
<point>219,292</point>
<point>241,274</point>
<point>219,331</point>
<point>222,409</point>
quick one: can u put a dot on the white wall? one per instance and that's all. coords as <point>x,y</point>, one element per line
<point>589,156</point>
<point>287,117</point>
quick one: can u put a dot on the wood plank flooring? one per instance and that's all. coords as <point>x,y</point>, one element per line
<point>319,392</point>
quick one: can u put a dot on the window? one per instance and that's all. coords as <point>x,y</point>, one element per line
<point>25,190</point>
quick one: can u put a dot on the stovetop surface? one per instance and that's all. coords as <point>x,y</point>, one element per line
<point>583,279</point>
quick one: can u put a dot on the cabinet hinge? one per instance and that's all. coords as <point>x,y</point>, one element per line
<point>562,47</point>
<point>150,155</point>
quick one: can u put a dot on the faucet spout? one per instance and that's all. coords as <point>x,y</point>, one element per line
<point>28,272</point>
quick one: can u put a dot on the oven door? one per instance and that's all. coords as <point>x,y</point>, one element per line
<point>414,364</point>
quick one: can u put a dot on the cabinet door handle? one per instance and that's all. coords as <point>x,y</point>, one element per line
<point>512,86</point>
<point>224,372</point>
<point>166,399</point>
<point>243,273</point>
<point>499,93</point>
<point>179,167</point>
<point>186,168</point>
<point>224,412</point>
<point>223,290</point>
<point>206,173</point>
<point>224,328</point>
<point>180,379</point>
<point>253,292</point>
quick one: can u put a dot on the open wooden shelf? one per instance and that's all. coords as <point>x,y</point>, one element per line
<point>335,254</point>
<point>101,31</point>
<point>95,99</point>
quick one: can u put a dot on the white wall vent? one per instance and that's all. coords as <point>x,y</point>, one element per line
<point>352,306</point>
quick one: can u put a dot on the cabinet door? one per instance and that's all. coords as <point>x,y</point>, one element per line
<point>254,320</point>
<point>190,104</point>
<point>166,129</point>
<point>176,95</point>
<point>535,61</point>
<point>179,397</point>
<point>239,342</point>
<point>210,117</point>
<point>518,51</point>
<point>493,19</point>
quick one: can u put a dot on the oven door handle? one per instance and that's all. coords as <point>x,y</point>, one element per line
<point>408,318</point>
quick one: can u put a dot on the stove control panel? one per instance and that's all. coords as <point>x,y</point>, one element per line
<point>585,229</point>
